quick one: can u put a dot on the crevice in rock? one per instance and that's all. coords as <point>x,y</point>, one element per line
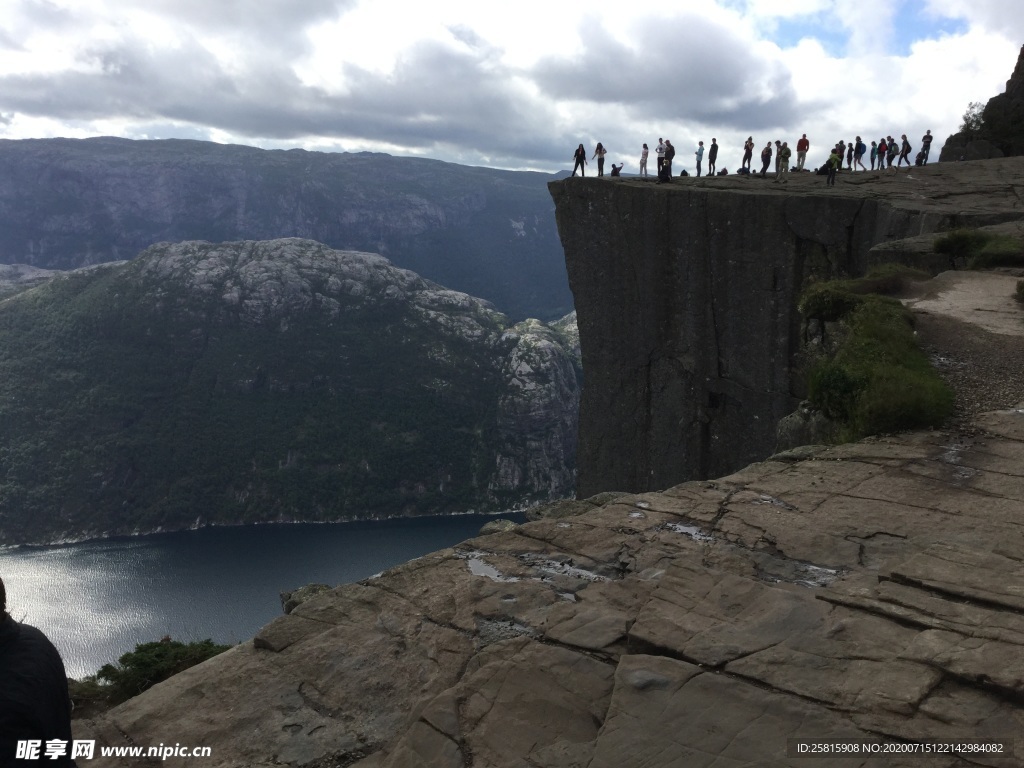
<point>313,704</point>
<point>982,682</point>
<point>903,621</point>
<point>950,594</point>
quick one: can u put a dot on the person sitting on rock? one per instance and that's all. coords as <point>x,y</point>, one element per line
<point>616,169</point>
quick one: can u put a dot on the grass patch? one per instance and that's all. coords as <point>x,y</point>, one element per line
<point>981,250</point>
<point>835,299</point>
<point>878,380</point>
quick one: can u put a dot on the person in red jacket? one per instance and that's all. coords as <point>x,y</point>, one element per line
<point>802,145</point>
<point>35,709</point>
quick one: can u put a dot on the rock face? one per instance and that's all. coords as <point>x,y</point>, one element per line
<point>1002,130</point>
<point>266,381</point>
<point>868,591</point>
<point>67,203</point>
<point>685,297</point>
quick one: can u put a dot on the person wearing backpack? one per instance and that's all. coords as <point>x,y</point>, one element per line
<point>905,150</point>
<point>858,154</point>
<point>833,163</point>
<point>883,150</point>
<point>892,151</point>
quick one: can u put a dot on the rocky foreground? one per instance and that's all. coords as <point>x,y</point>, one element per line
<point>872,590</point>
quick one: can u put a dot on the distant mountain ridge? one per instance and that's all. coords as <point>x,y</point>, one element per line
<point>270,381</point>
<point>67,203</point>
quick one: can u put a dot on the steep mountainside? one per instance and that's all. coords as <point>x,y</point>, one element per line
<point>1002,130</point>
<point>67,203</point>
<point>261,381</point>
<point>686,298</point>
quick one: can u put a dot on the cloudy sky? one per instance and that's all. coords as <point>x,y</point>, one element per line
<point>501,84</point>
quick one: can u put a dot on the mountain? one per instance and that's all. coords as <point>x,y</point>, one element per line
<point>67,203</point>
<point>1001,129</point>
<point>267,381</point>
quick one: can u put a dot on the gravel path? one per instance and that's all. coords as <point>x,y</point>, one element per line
<point>985,369</point>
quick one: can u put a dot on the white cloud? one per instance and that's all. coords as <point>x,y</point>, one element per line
<point>500,84</point>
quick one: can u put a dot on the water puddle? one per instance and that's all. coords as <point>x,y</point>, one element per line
<point>692,531</point>
<point>478,567</point>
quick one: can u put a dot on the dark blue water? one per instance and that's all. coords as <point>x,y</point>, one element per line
<point>99,599</point>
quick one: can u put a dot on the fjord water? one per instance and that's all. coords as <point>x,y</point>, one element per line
<point>97,600</point>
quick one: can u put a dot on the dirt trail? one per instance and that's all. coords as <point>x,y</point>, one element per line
<point>974,329</point>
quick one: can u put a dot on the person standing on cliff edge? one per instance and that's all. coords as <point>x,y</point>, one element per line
<point>766,158</point>
<point>670,153</point>
<point>700,156</point>
<point>643,162</point>
<point>782,162</point>
<point>599,153</point>
<point>580,156</point>
<point>660,152</point>
<point>926,146</point>
<point>748,152</point>
<point>712,156</point>
<point>833,163</point>
<point>35,709</point>
<point>802,145</point>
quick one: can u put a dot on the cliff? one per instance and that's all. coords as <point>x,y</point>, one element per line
<point>685,296</point>
<point>1001,133</point>
<point>267,381</point>
<point>68,203</point>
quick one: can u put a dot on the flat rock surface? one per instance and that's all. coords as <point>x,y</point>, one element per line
<point>870,591</point>
<point>984,299</point>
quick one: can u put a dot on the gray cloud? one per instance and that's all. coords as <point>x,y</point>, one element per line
<point>278,24</point>
<point>435,97</point>
<point>682,67</point>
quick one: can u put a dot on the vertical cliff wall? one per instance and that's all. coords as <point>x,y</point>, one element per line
<point>686,293</point>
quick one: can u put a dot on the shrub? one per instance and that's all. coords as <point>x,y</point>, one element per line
<point>981,249</point>
<point>151,663</point>
<point>828,302</point>
<point>833,389</point>
<point>889,279</point>
<point>999,251</point>
<point>879,379</point>
<point>960,243</point>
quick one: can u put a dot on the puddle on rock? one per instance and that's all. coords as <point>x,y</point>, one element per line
<point>478,567</point>
<point>692,531</point>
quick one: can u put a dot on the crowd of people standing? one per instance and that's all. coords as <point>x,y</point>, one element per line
<point>880,154</point>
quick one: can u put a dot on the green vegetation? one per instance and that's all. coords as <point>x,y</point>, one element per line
<point>131,401</point>
<point>980,249</point>
<point>878,380</point>
<point>832,300</point>
<point>973,119</point>
<point>135,671</point>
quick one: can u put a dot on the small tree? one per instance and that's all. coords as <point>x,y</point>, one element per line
<point>973,119</point>
<point>151,663</point>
